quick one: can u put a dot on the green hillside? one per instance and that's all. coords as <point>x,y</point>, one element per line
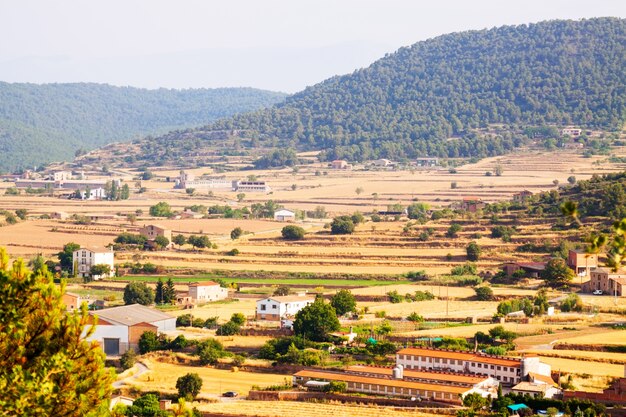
<point>432,98</point>
<point>43,123</point>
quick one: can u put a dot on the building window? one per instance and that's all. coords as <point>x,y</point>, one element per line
<point>263,307</point>
<point>274,306</point>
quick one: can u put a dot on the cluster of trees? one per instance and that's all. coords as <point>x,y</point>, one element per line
<point>395,297</point>
<point>536,305</point>
<point>55,122</point>
<point>164,293</point>
<point>345,225</point>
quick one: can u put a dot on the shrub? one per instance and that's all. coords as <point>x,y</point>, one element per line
<point>484,293</point>
<point>292,232</point>
<point>128,359</point>
<point>236,233</point>
<point>417,275</point>
<point>228,329</point>
<point>342,225</point>
<point>453,230</point>
<point>473,252</point>
<point>394,297</point>
<point>148,342</point>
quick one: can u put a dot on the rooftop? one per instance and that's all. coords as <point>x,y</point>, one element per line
<point>131,315</point>
<point>465,356</point>
<point>543,379</point>
<point>95,249</point>
<point>531,387</point>
<point>291,298</point>
<point>434,376</point>
<point>203,284</point>
<point>338,376</point>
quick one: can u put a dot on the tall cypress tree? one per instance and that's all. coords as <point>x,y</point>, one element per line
<point>159,292</point>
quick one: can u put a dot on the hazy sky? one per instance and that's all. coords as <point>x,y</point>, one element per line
<point>273,44</point>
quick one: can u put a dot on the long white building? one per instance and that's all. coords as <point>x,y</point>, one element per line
<point>509,371</point>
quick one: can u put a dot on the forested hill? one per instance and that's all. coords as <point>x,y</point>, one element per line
<point>428,99</point>
<point>43,123</point>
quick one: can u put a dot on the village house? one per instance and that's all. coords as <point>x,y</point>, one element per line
<point>281,307</point>
<point>582,262</point>
<point>152,231</point>
<point>340,164</point>
<point>522,196</point>
<point>472,204</point>
<point>427,162</point>
<point>611,283</point>
<point>571,131</point>
<point>119,328</point>
<point>72,301</point>
<point>541,386</point>
<point>204,292</point>
<point>509,371</point>
<point>61,175</point>
<point>83,259</point>
<point>284,215</point>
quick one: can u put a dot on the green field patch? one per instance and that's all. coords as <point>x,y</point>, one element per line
<point>267,281</point>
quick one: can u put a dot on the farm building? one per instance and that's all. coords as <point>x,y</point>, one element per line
<point>83,259</point>
<point>340,164</point>
<point>281,307</point>
<point>393,387</point>
<point>251,186</point>
<point>187,180</point>
<point>582,262</point>
<point>60,215</point>
<point>485,385</point>
<point>427,162</point>
<point>472,204</point>
<point>531,269</point>
<point>508,371</point>
<point>571,131</point>
<point>522,196</point>
<point>284,215</point>
<point>119,328</point>
<point>203,292</point>
<point>151,232</point>
<point>189,214</point>
<point>611,283</point>
<point>383,163</point>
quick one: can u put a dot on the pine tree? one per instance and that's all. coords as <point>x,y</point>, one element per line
<point>169,292</point>
<point>46,366</point>
<point>159,292</point>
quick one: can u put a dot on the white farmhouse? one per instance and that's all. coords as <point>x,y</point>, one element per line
<point>281,307</point>
<point>284,215</point>
<point>119,328</point>
<point>84,259</point>
<point>204,292</point>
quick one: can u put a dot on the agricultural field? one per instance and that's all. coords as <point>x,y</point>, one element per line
<point>162,377</point>
<point>300,409</point>
<point>376,249</point>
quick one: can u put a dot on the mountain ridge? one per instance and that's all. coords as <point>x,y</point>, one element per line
<point>41,123</point>
<point>433,98</point>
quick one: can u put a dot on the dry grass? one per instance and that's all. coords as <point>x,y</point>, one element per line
<point>162,377</point>
<point>615,337</point>
<point>245,306</point>
<point>297,409</point>
<point>436,308</point>
<point>470,331</point>
<point>583,367</point>
<point>582,355</point>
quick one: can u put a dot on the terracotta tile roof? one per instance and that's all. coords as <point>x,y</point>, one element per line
<point>542,378</point>
<point>442,377</point>
<point>465,356</point>
<point>337,376</point>
<point>203,284</point>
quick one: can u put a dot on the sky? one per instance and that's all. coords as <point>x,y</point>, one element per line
<point>280,45</point>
